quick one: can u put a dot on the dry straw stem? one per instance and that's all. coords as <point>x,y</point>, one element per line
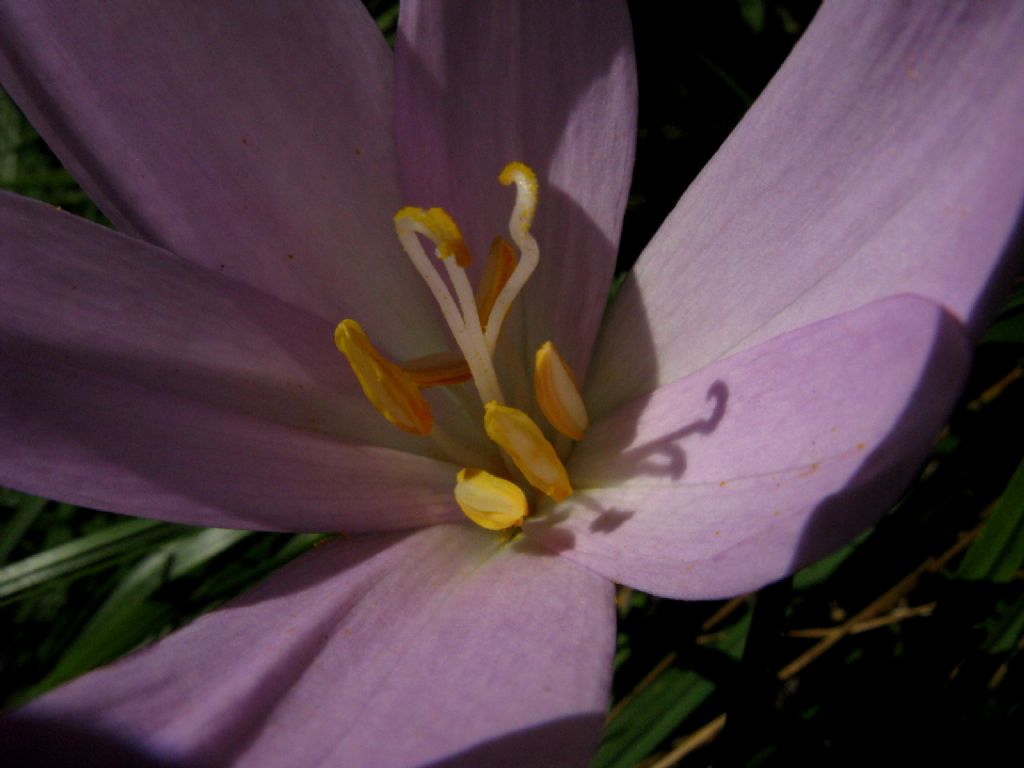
<point>885,602</point>
<point>869,618</point>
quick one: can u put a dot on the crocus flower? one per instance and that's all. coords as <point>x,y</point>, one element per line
<point>763,386</point>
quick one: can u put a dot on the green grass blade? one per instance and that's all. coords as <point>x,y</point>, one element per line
<point>83,555</point>
<point>14,529</point>
<point>998,552</point>
<point>658,710</point>
<point>1009,330</point>
<point>1005,627</point>
<point>821,571</point>
<point>130,616</point>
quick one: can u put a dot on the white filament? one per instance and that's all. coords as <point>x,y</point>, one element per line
<point>529,255</point>
<point>471,344</point>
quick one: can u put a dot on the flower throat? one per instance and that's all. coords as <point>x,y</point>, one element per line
<point>475,317</point>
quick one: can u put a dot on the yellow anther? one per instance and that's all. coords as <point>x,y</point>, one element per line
<point>442,230</point>
<point>525,180</point>
<point>522,439</point>
<point>389,389</point>
<point>501,263</point>
<point>438,370</point>
<point>490,501</point>
<point>558,395</point>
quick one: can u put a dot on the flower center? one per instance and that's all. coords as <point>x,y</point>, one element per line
<point>493,500</point>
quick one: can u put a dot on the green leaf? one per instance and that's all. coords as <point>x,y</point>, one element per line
<point>130,616</point>
<point>1015,301</point>
<point>82,555</point>
<point>998,552</point>
<point>1005,627</point>
<point>1006,331</point>
<point>11,129</point>
<point>753,13</point>
<point>741,94</point>
<point>821,571</point>
<point>658,710</point>
<point>26,513</point>
<point>233,579</point>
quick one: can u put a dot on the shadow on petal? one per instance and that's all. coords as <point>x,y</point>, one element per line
<point>997,288</point>
<point>479,86</point>
<point>32,741</point>
<point>119,444</point>
<point>890,467</point>
<point>824,427</point>
<point>567,742</point>
<point>662,457</point>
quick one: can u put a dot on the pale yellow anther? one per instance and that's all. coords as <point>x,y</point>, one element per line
<point>442,230</point>
<point>489,501</point>
<point>527,187</point>
<point>558,395</point>
<point>388,388</point>
<point>522,439</point>
<point>475,319</point>
<point>438,370</point>
<point>501,263</point>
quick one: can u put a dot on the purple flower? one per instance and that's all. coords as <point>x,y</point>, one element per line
<point>762,388</point>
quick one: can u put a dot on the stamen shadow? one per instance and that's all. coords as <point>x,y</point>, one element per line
<point>664,457</point>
